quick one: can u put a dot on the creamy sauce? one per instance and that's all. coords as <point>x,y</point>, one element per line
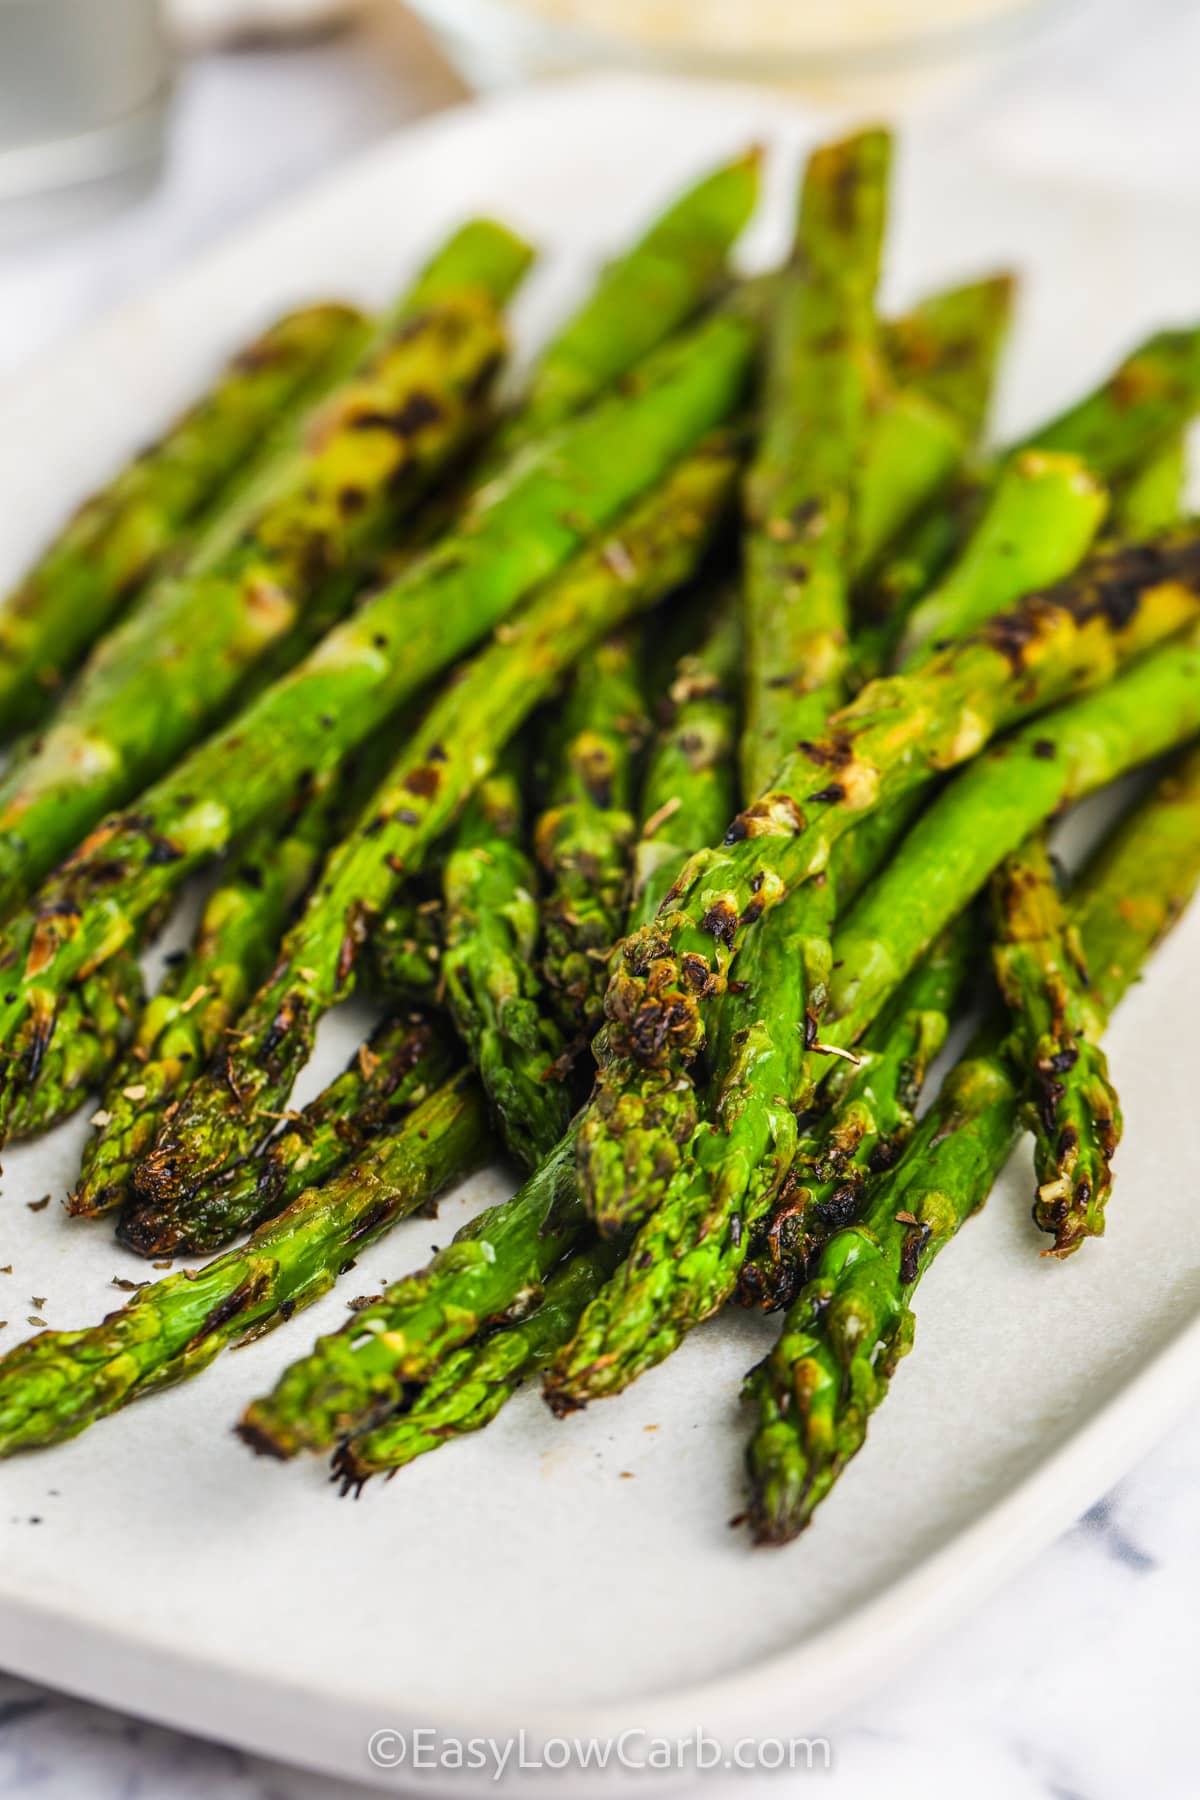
<point>747,27</point>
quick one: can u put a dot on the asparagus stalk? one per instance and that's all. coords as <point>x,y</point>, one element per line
<point>494,1272</point>
<point>1036,528</point>
<point>343,690</point>
<point>476,1382</point>
<point>887,742</point>
<point>732,1171</point>
<point>849,1327</point>
<point>941,361</point>
<point>687,790</point>
<point>1145,403</point>
<point>225,1116</point>
<point>202,994</point>
<point>1149,398</point>
<point>498,1265</point>
<point>867,1115</point>
<point>404,953</point>
<point>845,1334</point>
<point>819,384</point>
<point>90,1030</point>
<point>394,1071</point>
<point>949,347</point>
<point>1139,881</point>
<point>127,531</point>
<point>1016,786</point>
<point>414,401</point>
<point>688,1253</point>
<point>630,1135</point>
<point>59,1382</point>
<point>686,1259</point>
<point>639,300</point>
<point>795,617</point>
<point>1071,1103</point>
<point>583,839</point>
<point>737,1162</point>
<point>490,971</point>
<point>1151,498</point>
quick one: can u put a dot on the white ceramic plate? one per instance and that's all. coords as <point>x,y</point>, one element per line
<point>582,1577</point>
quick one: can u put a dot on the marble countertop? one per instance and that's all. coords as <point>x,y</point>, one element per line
<point>1076,1680</point>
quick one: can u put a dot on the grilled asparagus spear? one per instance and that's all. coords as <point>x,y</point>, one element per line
<point>895,735</point>
<point>497,1266</point>
<point>474,1383</point>
<point>364,669</point>
<point>158,504</point>
<point>866,1115</point>
<point>1053,1041</point>
<point>819,384</point>
<point>402,1061</point>
<point>489,970</point>
<point>638,301</point>
<point>90,1030</point>
<point>201,995</point>
<point>842,1339</point>
<point>166,674</point>
<point>583,838</point>
<point>630,1134</point>
<point>1037,526</point>
<point>229,1113</point>
<point>56,1384</point>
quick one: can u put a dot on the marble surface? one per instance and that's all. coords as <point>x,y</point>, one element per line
<point>1076,1680</point>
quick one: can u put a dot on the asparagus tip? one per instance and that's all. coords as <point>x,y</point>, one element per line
<point>263,1439</point>
<point>558,1397</point>
<point>347,1473</point>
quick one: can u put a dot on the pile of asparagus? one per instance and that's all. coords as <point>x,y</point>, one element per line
<point>454,701</point>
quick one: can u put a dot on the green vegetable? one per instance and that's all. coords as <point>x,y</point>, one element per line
<point>59,1382</point>
<point>891,739</point>
<point>630,1135</point>
<point>1071,1103</point>
<point>476,1382</point>
<point>821,369</point>
<point>1039,521</point>
<point>638,301</point>
<point>843,1337</point>
<point>202,993</point>
<point>404,1059</point>
<point>489,969</point>
<point>867,1114</point>
<point>584,837</point>
<point>169,671</point>
<point>158,505</point>
<point>89,1031</point>
<point>354,679</point>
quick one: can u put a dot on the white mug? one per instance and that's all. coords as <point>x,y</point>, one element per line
<point>83,92</point>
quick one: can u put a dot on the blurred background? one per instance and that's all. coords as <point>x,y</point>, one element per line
<point>132,132</point>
